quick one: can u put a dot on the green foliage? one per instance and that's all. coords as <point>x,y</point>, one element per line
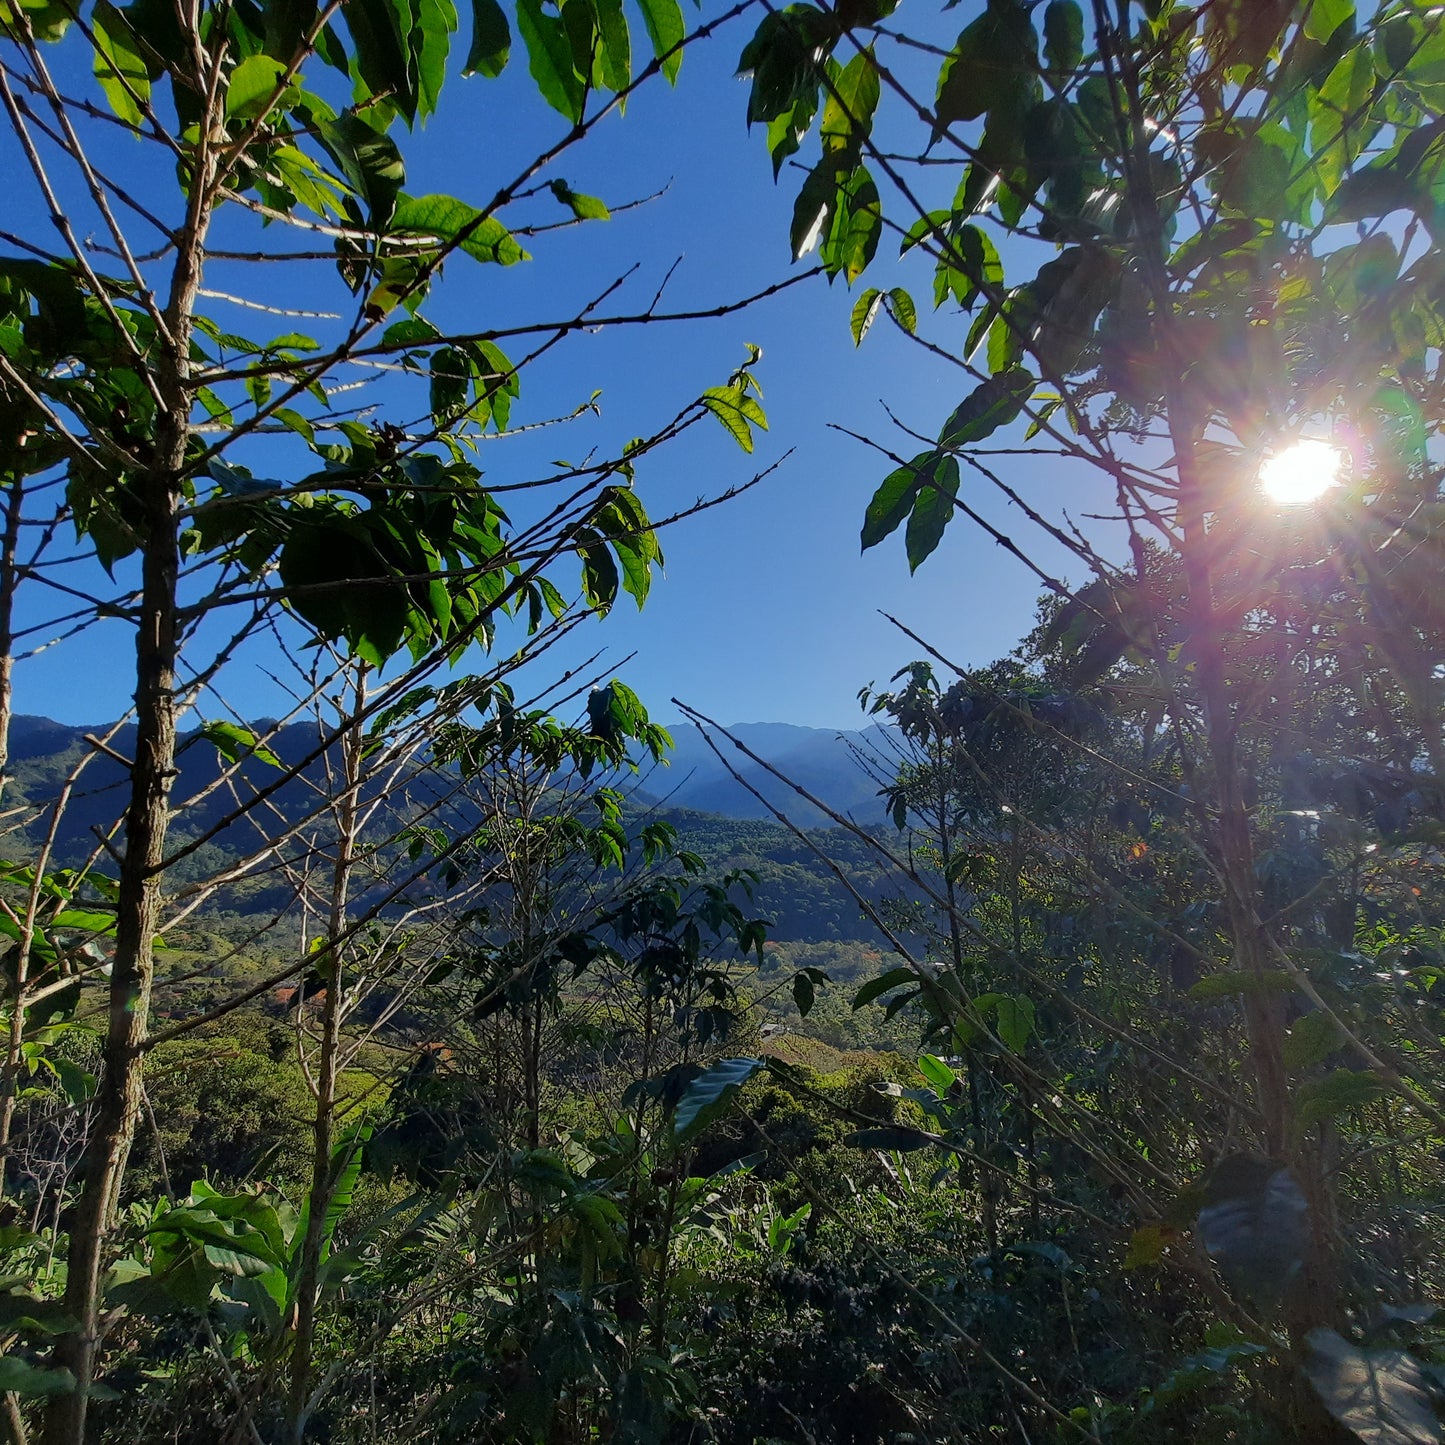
<point>707,1095</point>
<point>231,1108</point>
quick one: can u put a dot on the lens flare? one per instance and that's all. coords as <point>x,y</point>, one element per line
<point>1301,473</point>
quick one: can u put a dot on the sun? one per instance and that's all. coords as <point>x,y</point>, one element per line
<point>1301,473</point>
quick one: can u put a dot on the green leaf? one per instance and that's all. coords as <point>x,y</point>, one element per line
<point>336,581</point>
<point>24,1312</point>
<point>857,224</point>
<point>709,1094</point>
<point>787,129</point>
<point>865,310</point>
<point>381,34</point>
<point>1381,1396</point>
<point>900,303</point>
<point>811,211</point>
<point>1203,1369</point>
<point>453,222</point>
<point>599,569</point>
<point>925,228</point>
<point>851,100</point>
<point>784,59</point>
<point>76,1084</point>
<point>737,411</point>
<point>1063,35</point>
<point>894,499</point>
<point>549,58</point>
<point>1336,1093</point>
<point>491,40</point>
<point>345,1169</point>
<point>90,919</point>
<point>451,372</point>
<point>995,56</point>
<point>431,40</point>
<point>1323,17</point>
<point>804,994</point>
<point>368,160</point>
<point>666,29</point>
<point>252,85</point>
<point>1147,1245</point>
<point>932,511</point>
<point>1014,1021</point>
<point>119,64</point>
<point>234,743</point>
<point>1340,126</point>
<point>936,1071</point>
<point>585,208</point>
<point>1230,981</point>
<point>28,1380</point>
<point>294,421</point>
<point>614,44</point>
<point>1312,1040</point>
<point>884,983</point>
<point>990,405</point>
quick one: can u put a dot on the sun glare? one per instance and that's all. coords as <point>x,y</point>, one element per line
<point>1301,473</point>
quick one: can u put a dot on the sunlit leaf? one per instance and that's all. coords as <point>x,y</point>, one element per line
<point>710,1093</point>
<point>1380,1396</point>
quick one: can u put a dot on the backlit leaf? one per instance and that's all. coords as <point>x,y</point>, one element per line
<point>549,58</point>
<point>932,511</point>
<point>990,405</point>
<point>1063,35</point>
<point>894,499</point>
<point>865,310</point>
<point>709,1094</point>
<point>491,39</point>
<point>253,84</point>
<point>119,65</point>
<point>235,743</point>
<point>900,303</point>
<point>450,221</point>
<point>666,29</point>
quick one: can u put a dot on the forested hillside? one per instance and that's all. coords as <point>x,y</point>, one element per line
<point>417,1064</point>
<point>795,888</point>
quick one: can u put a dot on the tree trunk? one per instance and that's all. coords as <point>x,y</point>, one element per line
<point>323,1177</point>
<point>118,1094</point>
<point>10,1071</point>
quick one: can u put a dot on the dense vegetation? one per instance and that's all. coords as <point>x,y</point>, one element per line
<point>392,1071</point>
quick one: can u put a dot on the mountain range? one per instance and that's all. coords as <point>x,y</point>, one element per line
<point>826,763</point>
<point>718,816</point>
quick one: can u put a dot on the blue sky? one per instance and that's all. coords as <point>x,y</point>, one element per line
<point>766,610</point>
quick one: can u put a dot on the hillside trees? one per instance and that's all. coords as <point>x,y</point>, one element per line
<point>224,490</point>
<point>1180,248</point>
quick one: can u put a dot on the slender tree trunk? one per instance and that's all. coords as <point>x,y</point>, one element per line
<point>1230,822</point>
<point>1224,815</point>
<point>118,1095</point>
<point>9,581</point>
<point>323,1177</point>
<point>14,1421</point>
<point>987,1184</point>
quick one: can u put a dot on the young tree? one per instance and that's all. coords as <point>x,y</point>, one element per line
<point>127,412</point>
<point>1194,250</point>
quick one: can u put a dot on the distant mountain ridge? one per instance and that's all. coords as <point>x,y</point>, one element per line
<point>823,761</point>
<point>716,815</point>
